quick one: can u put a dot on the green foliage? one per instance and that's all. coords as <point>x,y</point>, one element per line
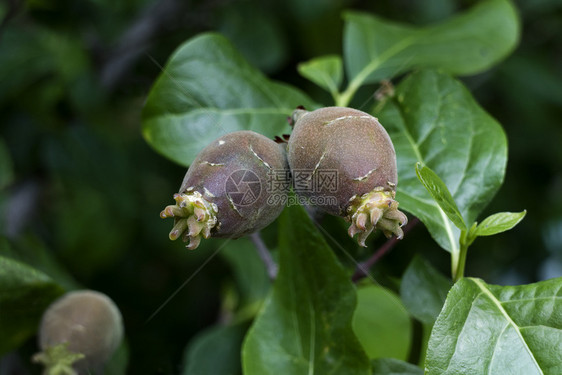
<point>266,49</point>
<point>215,351</point>
<point>198,97</point>
<point>24,294</point>
<point>439,192</point>
<point>391,366</point>
<point>423,290</point>
<point>80,191</point>
<point>492,225</point>
<point>305,324</point>
<point>433,120</point>
<point>249,273</point>
<point>32,252</point>
<point>468,43</point>
<point>489,329</point>
<point>498,223</point>
<point>381,323</point>
<point>326,72</point>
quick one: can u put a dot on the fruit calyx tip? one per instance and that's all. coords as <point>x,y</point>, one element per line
<point>194,217</point>
<point>58,359</point>
<point>376,209</point>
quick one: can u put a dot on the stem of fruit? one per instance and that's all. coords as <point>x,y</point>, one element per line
<point>265,255</point>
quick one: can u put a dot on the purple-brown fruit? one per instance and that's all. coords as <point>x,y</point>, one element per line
<point>353,146</point>
<point>233,187</point>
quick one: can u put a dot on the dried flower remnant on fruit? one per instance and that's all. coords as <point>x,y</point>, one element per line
<point>224,192</point>
<point>194,217</point>
<point>355,146</point>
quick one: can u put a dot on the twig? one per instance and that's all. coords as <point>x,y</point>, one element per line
<point>363,267</point>
<point>265,255</point>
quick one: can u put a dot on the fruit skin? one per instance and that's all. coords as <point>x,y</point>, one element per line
<point>88,322</point>
<point>356,146</point>
<point>204,208</point>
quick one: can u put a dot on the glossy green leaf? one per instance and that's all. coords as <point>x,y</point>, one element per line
<point>423,290</point>
<point>500,222</point>
<point>325,71</point>
<point>305,326</point>
<point>433,120</point>
<point>391,366</point>
<point>441,194</point>
<point>468,43</point>
<point>382,324</point>
<point>207,89</point>
<point>490,329</point>
<point>24,294</point>
<point>215,351</point>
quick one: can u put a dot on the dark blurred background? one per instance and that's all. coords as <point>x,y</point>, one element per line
<point>80,190</point>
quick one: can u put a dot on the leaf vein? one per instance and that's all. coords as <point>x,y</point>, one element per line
<point>498,304</point>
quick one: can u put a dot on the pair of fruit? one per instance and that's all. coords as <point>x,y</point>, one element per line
<point>339,154</point>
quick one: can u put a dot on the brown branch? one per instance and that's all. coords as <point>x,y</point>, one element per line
<point>363,267</point>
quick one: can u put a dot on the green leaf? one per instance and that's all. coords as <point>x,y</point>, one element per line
<point>305,324</point>
<point>382,324</point>
<point>215,351</point>
<point>31,251</point>
<point>24,294</point>
<point>468,43</point>
<point>207,89</point>
<point>266,49</point>
<point>433,120</point>
<point>325,71</point>
<point>423,290</point>
<point>391,366</point>
<point>500,222</point>
<point>249,271</point>
<point>490,329</point>
<point>439,192</point>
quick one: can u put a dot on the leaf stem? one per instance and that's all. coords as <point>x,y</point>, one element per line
<point>458,261</point>
<point>461,262</point>
<point>363,267</point>
<point>343,98</point>
<point>265,255</point>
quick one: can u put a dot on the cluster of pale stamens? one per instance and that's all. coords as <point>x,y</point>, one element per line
<point>376,209</point>
<point>194,217</point>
